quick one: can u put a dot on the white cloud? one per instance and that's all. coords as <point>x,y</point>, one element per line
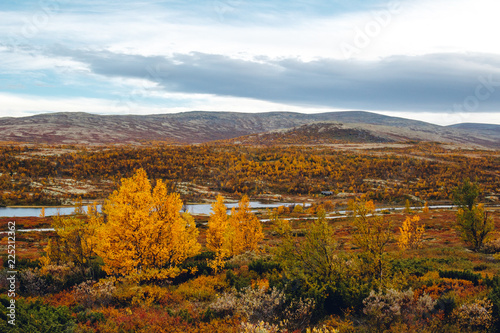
<point>18,105</point>
<point>419,27</point>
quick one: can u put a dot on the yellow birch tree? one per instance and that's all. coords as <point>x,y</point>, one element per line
<point>372,233</point>
<point>145,235</point>
<point>245,231</point>
<point>412,233</point>
<point>76,241</point>
<point>218,225</point>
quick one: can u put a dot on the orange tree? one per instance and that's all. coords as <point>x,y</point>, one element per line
<point>144,235</point>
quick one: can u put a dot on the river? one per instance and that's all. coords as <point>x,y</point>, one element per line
<point>50,211</point>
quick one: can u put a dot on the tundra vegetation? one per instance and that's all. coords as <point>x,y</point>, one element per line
<point>143,264</point>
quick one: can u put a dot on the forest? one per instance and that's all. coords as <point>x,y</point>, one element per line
<point>417,171</point>
<point>345,262</point>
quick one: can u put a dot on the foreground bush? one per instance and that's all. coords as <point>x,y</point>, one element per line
<point>266,306</point>
<point>159,320</point>
<point>475,316</point>
<point>35,317</point>
<point>385,309</point>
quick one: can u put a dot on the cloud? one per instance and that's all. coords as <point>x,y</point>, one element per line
<point>434,82</point>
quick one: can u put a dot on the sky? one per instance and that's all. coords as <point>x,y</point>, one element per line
<point>431,60</point>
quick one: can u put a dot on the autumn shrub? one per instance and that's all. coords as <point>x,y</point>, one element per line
<point>492,246</point>
<point>446,304</point>
<point>473,222</point>
<point>194,267</point>
<point>480,267</point>
<point>147,295</point>
<point>203,288</point>
<point>259,305</point>
<point>89,317</point>
<point>167,238</point>
<point>476,316</point>
<point>263,265</point>
<point>93,294</point>
<point>494,297</point>
<point>21,263</point>
<point>158,320</point>
<point>462,275</point>
<point>260,327</point>
<point>35,316</point>
<point>49,279</point>
<point>321,329</point>
<point>32,283</point>
<point>314,267</point>
<point>241,280</point>
<point>384,309</point>
<point>341,324</point>
<point>243,259</point>
<point>413,266</point>
<point>440,287</point>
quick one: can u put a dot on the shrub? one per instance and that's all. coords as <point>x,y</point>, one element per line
<point>21,263</point>
<point>261,327</point>
<point>385,309</point>
<point>475,316</point>
<point>446,304</point>
<point>262,266</point>
<point>259,305</point>
<point>35,317</point>
<point>240,281</point>
<point>147,295</point>
<point>91,294</point>
<point>195,266</point>
<point>203,288</point>
<point>90,317</point>
<point>492,246</point>
<point>494,297</point>
<point>461,288</point>
<point>461,275</point>
<point>32,283</point>
<point>159,320</point>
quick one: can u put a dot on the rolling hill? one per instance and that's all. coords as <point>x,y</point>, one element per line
<point>201,127</point>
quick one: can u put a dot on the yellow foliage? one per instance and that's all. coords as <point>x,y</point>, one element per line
<point>218,225</point>
<point>76,240</point>
<point>260,284</point>
<point>408,207</point>
<point>203,288</point>
<point>372,233</point>
<point>412,233</point>
<point>145,234</point>
<point>245,231</point>
<point>280,226</point>
<point>425,210</point>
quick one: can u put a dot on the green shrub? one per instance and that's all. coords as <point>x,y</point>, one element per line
<point>89,316</point>
<point>238,281</point>
<point>446,303</point>
<point>494,297</point>
<point>198,265</point>
<point>35,317</point>
<point>262,266</point>
<point>461,275</point>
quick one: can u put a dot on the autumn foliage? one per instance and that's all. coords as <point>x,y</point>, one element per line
<point>412,233</point>
<point>232,235</point>
<point>145,233</point>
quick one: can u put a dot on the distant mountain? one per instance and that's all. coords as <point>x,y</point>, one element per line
<point>313,134</point>
<point>490,130</point>
<point>200,127</point>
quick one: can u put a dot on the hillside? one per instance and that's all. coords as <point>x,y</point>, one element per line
<point>200,127</point>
